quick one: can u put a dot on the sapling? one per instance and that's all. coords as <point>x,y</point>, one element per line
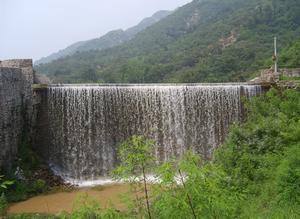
<point>136,160</point>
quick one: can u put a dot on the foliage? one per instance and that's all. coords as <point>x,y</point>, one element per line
<point>288,177</point>
<point>39,186</point>
<point>87,207</point>
<point>25,184</point>
<point>20,191</point>
<point>32,216</point>
<point>202,191</point>
<point>4,184</point>
<point>27,158</point>
<point>287,78</point>
<point>3,205</point>
<point>136,160</point>
<point>203,41</point>
<point>260,156</point>
<point>135,155</point>
<point>290,57</point>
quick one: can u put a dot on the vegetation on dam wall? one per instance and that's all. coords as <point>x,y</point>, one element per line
<point>255,174</point>
<point>28,177</point>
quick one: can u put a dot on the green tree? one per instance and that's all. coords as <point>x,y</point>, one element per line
<point>136,161</point>
<point>194,188</point>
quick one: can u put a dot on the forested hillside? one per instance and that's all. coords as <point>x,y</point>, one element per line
<point>203,41</point>
<point>111,39</point>
<point>290,57</point>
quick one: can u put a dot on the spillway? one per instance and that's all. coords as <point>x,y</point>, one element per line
<point>88,122</point>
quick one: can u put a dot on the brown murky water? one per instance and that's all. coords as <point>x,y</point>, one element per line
<point>63,201</point>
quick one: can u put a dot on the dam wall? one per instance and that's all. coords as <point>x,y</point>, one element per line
<point>16,107</point>
<point>81,126</point>
<point>77,128</point>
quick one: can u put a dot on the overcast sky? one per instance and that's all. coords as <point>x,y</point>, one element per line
<point>37,28</point>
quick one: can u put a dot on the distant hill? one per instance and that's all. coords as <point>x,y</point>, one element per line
<point>203,41</point>
<point>111,39</point>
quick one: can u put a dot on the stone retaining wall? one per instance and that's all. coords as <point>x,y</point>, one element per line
<point>268,75</point>
<point>16,107</point>
<point>291,72</point>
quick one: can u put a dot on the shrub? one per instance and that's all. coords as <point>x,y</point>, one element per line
<point>201,191</point>
<point>261,156</point>
<point>136,160</point>
<point>288,177</point>
<point>86,207</point>
<point>3,205</point>
<point>39,186</point>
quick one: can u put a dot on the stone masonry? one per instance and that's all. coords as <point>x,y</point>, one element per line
<point>16,107</point>
<point>291,72</point>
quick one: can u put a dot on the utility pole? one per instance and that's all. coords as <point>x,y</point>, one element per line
<point>275,56</point>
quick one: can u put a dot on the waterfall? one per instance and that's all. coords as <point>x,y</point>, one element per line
<point>88,122</point>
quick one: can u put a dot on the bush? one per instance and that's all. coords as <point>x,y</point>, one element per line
<point>25,183</point>
<point>201,190</point>
<point>288,177</point>
<point>3,205</point>
<point>86,207</point>
<point>261,156</point>
<point>20,191</point>
<point>39,186</point>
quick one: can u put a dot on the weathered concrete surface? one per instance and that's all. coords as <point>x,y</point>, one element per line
<point>16,107</point>
<point>41,79</point>
<point>27,68</point>
<point>16,63</point>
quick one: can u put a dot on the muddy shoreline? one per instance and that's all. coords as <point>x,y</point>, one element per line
<point>107,195</point>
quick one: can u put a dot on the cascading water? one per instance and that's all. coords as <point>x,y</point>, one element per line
<point>87,122</point>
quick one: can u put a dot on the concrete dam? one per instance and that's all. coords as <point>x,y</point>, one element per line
<point>77,128</point>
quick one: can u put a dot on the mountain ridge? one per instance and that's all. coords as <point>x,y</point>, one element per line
<point>108,40</point>
<point>203,41</point>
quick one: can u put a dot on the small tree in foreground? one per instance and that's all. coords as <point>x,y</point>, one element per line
<point>136,160</point>
<point>193,188</point>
